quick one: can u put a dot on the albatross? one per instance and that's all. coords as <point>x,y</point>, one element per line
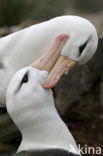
<point>21,48</point>
<point>32,108</point>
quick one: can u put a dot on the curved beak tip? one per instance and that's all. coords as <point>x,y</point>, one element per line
<point>62,65</point>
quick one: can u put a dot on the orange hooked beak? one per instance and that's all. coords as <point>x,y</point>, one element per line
<point>54,63</point>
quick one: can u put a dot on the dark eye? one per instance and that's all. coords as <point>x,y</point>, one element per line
<point>25,78</point>
<point>81,48</point>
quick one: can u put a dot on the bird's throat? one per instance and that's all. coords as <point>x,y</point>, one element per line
<point>44,129</point>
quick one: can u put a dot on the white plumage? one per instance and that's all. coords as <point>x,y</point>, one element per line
<point>21,48</point>
<point>32,109</point>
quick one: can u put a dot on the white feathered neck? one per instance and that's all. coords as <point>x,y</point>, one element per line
<point>33,111</point>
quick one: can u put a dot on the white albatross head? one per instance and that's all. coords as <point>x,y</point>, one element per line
<point>32,109</point>
<point>80,46</point>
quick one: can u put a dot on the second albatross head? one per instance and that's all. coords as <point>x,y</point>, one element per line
<point>77,47</point>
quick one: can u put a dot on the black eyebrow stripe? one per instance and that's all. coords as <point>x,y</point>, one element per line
<point>82,47</point>
<point>20,84</point>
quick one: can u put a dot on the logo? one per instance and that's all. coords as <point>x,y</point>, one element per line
<point>90,150</point>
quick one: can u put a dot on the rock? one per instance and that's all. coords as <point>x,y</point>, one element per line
<point>101,91</point>
<point>8,30</point>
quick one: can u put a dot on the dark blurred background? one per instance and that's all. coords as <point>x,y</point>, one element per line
<point>16,12</point>
<point>79,95</point>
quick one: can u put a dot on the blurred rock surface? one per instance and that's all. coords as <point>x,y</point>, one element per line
<point>8,30</point>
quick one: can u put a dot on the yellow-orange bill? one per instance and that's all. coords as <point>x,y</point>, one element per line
<point>62,65</point>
